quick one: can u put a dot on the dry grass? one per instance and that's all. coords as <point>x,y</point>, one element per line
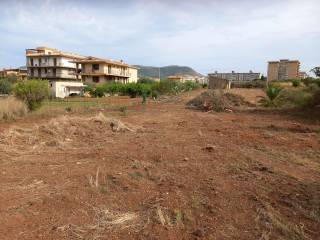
<point>62,132</point>
<point>12,108</point>
<point>275,222</point>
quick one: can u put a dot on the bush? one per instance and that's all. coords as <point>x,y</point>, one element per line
<point>5,86</point>
<point>190,85</point>
<point>296,82</point>
<point>11,108</point>
<point>99,91</point>
<point>315,101</point>
<point>32,92</point>
<point>272,92</point>
<point>290,98</point>
<point>146,80</point>
<point>310,80</point>
<point>141,89</point>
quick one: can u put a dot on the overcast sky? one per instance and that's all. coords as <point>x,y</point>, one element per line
<point>221,35</point>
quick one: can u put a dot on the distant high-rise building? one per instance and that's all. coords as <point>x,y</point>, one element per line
<point>283,70</point>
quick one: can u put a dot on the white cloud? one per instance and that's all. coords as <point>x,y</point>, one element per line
<point>204,34</point>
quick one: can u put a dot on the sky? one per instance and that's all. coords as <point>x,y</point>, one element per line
<point>216,35</point>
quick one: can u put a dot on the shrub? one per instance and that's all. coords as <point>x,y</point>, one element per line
<point>32,92</point>
<point>89,89</point>
<point>146,80</point>
<point>272,92</point>
<point>190,85</point>
<point>316,98</point>
<point>11,108</point>
<point>296,82</point>
<point>5,86</point>
<point>99,91</point>
<point>289,98</point>
<point>310,80</point>
<point>155,94</point>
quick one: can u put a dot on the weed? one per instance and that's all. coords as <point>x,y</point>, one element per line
<point>296,82</point>
<point>272,93</point>
<point>123,110</point>
<point>273,220</point>
<point>136,175</point>
<point>178,217</point>
<point>68,109</point>
<point>11,108</point>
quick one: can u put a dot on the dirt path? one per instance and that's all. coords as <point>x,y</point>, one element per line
<point>180,174</point>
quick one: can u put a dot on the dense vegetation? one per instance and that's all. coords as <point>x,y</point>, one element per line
<point>298,96</point>
<point>5,86</point>
<point>141,89</point>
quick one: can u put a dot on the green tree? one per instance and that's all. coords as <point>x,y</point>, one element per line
<point>5,86</point>
<point>316,71</point>
<point>32,92</point>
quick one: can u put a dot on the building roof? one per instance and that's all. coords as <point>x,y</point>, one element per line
<point>40,51</point>
<point>102,60</point>
<point>285,60</point>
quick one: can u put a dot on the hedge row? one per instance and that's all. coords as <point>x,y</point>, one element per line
<point>153,89</point>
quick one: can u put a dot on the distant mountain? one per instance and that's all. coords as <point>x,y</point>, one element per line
<point>153,72</point>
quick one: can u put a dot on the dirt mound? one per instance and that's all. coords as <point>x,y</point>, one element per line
<point>59,132</point>
<point>218,101</point>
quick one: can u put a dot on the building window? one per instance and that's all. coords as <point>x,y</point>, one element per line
<point>31,62</point>
<point>95,79</point>
<point>45,71</point>
<point>95,67</point>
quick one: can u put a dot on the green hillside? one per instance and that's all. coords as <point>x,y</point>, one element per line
<point>148,71</point>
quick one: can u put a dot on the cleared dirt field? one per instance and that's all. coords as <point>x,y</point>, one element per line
<point>176,173</point>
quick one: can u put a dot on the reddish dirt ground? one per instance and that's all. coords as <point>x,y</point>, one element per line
<point>181,174</point>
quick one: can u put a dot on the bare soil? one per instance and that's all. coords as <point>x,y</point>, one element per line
<point>168,172</point>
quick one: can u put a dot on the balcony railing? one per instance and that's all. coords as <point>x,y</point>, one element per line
<point>112,73</point>
<point>49,65</point>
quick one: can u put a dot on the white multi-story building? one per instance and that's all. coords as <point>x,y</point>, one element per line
<point>68,72</point>
<point>237,77</point>
<point>56,66</point>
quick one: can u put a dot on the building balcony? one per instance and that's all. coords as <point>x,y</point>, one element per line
<point>48,65</point>
<point>101,73</point>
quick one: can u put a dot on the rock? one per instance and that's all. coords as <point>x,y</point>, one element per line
<point>210,148</point>
<point>186,159</point>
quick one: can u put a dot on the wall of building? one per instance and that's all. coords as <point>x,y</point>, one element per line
<point>64,89</point>
<point>273,71</point>
<point>233,76</point>
<point>133,75</point>
<point>49,73</point>
<point>283,70</point>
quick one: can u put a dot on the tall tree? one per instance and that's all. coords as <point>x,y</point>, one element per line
<point>316,71</point>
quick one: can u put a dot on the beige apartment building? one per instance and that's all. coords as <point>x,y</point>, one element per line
<point>98,70</point>
<point>283,70</point>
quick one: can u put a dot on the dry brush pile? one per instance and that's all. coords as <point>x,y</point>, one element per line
<point>218,101</point>
<point>61,132</point>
